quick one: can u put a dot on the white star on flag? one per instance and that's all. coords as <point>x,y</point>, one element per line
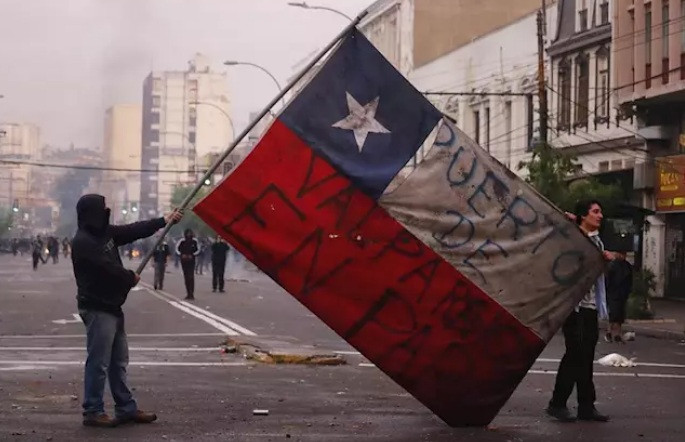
<point>361,120</point>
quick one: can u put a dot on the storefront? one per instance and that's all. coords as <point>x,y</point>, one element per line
<point>670,202</point>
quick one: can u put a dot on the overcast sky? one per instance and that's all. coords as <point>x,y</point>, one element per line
<point>62,63</point>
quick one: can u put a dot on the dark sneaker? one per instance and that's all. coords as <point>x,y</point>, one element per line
<point>222,291</point>
<point>139,417</point>
<point>592,415</point>
<point>189,298</point>
<point>560,413</point>
<point>99,420</point>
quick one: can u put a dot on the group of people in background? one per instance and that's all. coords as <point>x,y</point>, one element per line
<point>41,249</point>
<point>191,254</point>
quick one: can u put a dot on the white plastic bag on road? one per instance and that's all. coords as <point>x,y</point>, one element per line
<point>616,360</point>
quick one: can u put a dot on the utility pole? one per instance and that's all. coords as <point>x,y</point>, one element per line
<point>542,84</point>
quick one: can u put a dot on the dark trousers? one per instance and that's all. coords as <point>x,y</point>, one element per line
<point>37,258</point>
<point>218,268</point>
<point>160,268</point>
<point>188,267</point>
<point>581,332</point>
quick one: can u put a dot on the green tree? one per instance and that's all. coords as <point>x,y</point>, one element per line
<point>551,172</point>
<point>190,219</point>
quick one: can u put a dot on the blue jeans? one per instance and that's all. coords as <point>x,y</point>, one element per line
<point>107,359</point>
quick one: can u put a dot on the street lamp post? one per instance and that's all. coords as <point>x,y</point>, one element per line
<point>261,68</point>
<point>220,109</point>
<point>304,5</point>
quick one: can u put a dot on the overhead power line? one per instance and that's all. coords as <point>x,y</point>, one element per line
<point>88,167</point>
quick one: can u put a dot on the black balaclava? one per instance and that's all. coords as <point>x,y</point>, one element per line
<point>93,214</point>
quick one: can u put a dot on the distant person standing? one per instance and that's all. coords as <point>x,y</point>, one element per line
<point>188,249</point>
<point>15,246</point>
<point>619,281</point>
<point>53,249</point>
<point>65,247</point>
<point>219,251</point>
<point>160,256</point>
<point>37,251</point>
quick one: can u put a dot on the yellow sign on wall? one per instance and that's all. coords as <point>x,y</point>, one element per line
<point>670,186</point>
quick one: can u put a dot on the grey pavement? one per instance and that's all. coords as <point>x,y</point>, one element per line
<point>201,393</point>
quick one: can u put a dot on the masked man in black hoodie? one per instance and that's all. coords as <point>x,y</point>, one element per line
<point>103,285</point>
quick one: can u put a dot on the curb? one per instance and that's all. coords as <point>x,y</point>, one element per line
<point>253,352</point>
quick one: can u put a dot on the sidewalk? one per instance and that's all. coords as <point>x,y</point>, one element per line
<point>668,322</point>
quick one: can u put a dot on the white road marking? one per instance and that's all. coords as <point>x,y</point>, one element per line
<point>134,363</point>
<point>352,353</point>
<point>26,367</point>
<point>200,313</point>
<point>210,321</point>
<point>620,375</point>
<point>364,364</point>
<point>76,320</point>
<point>129,335</point>
<point>224,321</point>
<point>169,349</point>
<point>638,364</point>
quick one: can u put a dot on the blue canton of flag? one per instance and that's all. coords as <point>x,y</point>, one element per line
<point>362,115</point>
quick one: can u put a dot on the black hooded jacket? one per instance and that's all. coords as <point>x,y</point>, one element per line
<point>103,282</point>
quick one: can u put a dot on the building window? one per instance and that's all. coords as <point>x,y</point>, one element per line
<point>156,84</point>
<point>648,46</point>
<point>564,111</point>
<point>154,136</point>
<point>604,12</point>
<point>191,137</point>
<point>530,115</point>
<point>582,16</point>
<point>664,43</point>
<point>616,164</point>
<point>154,118</point>
<point>602,90</point>
<point>487,129</point>
<point>582,90</point>
<point>603,166</point>
<point>476,126</point>
<point>192,117</point>
<point>507,133</point>
<point>156,101</point>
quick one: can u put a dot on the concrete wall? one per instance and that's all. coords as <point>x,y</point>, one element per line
<point>441,26</point>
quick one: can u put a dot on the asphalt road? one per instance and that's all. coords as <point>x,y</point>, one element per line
<point>200,393</point>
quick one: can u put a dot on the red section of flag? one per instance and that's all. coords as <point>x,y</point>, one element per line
<point>389,295</point>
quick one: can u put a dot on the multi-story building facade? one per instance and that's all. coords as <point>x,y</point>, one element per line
<point>451,46</point>
<point>649,65</point>
<point>185,117</point>
<point>18,142</point>
<point>584,116</point>
<point>122,150</point>
<point>489,87</point>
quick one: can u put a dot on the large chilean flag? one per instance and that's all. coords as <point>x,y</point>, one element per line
<point>451,283</point>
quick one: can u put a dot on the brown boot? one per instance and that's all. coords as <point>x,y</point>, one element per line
<point>99,420</point>
<point>139,417</point>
